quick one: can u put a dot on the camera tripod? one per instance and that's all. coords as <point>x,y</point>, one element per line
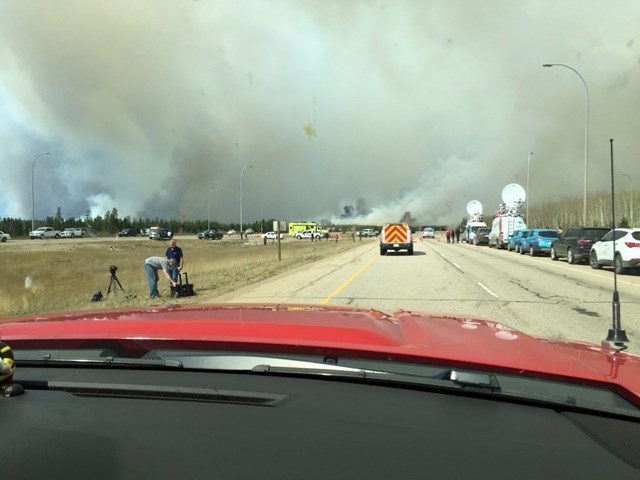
<point>114,284</point>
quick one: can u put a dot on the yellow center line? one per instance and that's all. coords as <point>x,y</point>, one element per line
<point>349,280</point>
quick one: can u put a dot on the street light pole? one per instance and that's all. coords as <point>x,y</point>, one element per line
<point>631,222</point>
<point>241,172</point>
<point>33,192</point>
<point>528,198</point>
<point>586,135</point>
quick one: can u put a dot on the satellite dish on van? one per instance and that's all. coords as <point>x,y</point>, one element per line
<point>513,194</point>
<point>474,207</point>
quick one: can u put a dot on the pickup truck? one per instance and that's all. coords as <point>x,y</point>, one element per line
<point>396,236</point>
<point>44,232</point>
<point>308,234</point>
<point>72,233</point>
<point>4,237</point>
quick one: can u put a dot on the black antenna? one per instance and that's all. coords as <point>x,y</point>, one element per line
<point>616,334</point>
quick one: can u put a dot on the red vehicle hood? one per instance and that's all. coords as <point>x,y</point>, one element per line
<point>404,335</point>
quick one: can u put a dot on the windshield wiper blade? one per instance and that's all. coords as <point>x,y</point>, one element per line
<point>102,361</point>
<point>451,379</point>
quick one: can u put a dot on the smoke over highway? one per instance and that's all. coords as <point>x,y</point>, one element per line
<point>346,110</point>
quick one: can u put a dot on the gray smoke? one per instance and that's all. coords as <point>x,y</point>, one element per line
<point>155,106</point>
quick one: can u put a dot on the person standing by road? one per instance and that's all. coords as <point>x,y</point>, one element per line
<point>152,266</point>
<point>175,252</point>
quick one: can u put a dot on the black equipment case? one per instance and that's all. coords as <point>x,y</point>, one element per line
<point>182,289</point>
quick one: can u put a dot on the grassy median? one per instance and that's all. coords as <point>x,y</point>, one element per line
<point>55,276</point>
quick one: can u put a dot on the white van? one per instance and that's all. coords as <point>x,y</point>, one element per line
<point>427,232</point>
<point>470,230</point>
<point>503,228</point>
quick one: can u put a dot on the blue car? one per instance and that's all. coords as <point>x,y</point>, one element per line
<point>538,241</point>
<point>516,238</point>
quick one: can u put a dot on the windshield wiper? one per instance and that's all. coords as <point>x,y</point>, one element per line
<point>456,379</point>
<point>101,361</point>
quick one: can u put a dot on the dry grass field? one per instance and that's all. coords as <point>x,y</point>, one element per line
<point>62,275</point>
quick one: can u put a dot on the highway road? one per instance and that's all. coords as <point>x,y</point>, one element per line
<point>533,294</point>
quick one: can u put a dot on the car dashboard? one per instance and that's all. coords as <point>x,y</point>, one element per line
<point>162,420</point>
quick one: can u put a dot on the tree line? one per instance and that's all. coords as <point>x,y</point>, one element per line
<point>111,223</point>
<point>563,213</point>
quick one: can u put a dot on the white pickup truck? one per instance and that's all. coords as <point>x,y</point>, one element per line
<point>44,232</point>
<point>308,234</point>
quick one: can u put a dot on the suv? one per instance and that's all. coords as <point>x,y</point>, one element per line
<point>128,232</point>
<point>368,232</point>
<point>427,232</point>
<point>575,244</point>
<point>210,235</point>
<point>307,234</point>
<point>72,232</point>
<point>482,236</point>
<point>156,233</point>
<point>538,240</point>
<point>627,250</point>
<point>516,239</point>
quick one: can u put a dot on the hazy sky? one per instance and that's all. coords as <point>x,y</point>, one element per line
<point>155,106</point>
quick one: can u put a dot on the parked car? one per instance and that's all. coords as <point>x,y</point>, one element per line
<point>482,236</point>
<point>516,238</point>
<point>271,235</point>
<point>307,234</point>
<point>128,232</point>
<point>368,232</point>
<point>73,232</point>
<point>158,233</point>
<point>538,240</point>
<point>427,232</point>
<point>4,237</point>
<point>210,235</point>
<point>575,244</point>
<point>231,232</point>
<point>619,248</point>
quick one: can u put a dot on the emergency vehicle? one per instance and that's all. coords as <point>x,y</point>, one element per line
<point>295,227</point>
<point>396,236</point>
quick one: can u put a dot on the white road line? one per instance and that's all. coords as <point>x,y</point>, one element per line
<point>487,290</point>
<point>447,260</point>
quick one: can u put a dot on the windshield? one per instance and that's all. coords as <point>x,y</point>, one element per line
<point>160,155</point>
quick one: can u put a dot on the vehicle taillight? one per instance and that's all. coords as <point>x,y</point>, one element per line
<point>585,242</point>
<point>632,244</point>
